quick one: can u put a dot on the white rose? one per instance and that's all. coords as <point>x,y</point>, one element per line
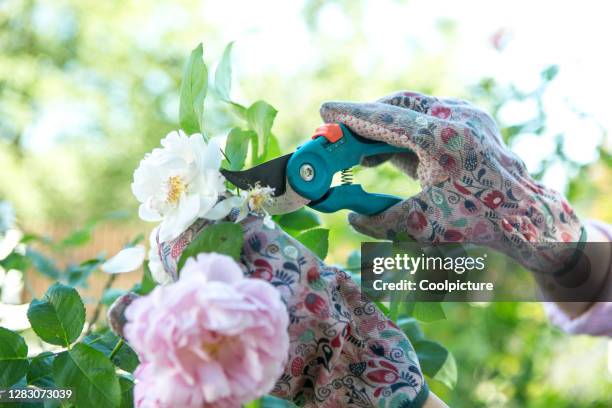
<point>179,183</point>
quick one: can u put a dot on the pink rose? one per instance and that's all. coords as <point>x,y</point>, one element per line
<point>213,337</point>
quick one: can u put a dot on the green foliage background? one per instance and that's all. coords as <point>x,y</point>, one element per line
<point>93,60</point>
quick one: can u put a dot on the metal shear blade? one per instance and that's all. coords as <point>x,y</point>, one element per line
<point>271,174</point>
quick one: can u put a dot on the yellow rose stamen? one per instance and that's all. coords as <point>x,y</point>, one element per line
<point>259,197</point>
<point>213,348</point>
<point>176,187</point>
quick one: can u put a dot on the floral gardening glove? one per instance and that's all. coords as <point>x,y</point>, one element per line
<point>473,188</point>
<point>344,352</point>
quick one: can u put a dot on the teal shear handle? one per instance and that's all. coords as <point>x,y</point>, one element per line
<point>334,148</point>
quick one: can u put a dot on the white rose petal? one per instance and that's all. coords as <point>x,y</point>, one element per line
<point>126,260</point>
<point>268,222</point>
<point>12,287</point>
<point>158,273</point>
<point>254,200</point>
<point>179,220</point>
<point>9,241</point>
<point>223,208</point>
<point>14,317</point>
<point>155,265</point>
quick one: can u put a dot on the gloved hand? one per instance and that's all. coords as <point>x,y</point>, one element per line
<point>473,188</point>
<point>344,352</point>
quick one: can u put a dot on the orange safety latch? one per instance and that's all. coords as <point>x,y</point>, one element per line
<point>331,131</point>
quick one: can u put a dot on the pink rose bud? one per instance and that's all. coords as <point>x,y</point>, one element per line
<point>213,338</point>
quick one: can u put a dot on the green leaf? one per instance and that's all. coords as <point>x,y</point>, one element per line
<point>237,146</point>
<point>90,373</point>
<point>127,392</point>
<point>273,149</point>
<point>223,238</point>
<point>43,264</point>
<point>316,240</point>
<point>15,261</point>
<point>223,74</point>
<point>78,237</point>
<point>29,238</point>
<point>13,357</point>
<point>105,342</point>
<point>147,283</point>
<point>437,362</point>
<point>78,275</point>
<point>425,311</point>
<point>239,110</point>
<point>550,72</point>
<point>299,220</point>
<point>394,305</point>
<point>193,92</point>
<point>353,264</point>
<point>410,327</point>
<point>126,358</point>
<point>260,117</point>
<point>58,318</point>
<point>39,373</point>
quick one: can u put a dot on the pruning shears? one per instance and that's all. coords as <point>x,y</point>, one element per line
<point>304,177</point>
